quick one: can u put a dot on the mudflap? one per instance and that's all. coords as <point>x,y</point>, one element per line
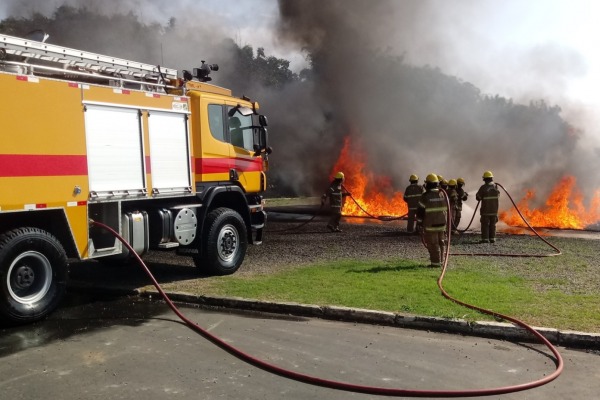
<point>258,220</point>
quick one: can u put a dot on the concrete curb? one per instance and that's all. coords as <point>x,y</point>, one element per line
<point>489,329</point>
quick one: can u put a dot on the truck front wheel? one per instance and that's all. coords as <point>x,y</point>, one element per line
<point>33,275</point>
<point>224,243</point>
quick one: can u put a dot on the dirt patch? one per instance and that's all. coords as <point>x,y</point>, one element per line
<point>289,243</point>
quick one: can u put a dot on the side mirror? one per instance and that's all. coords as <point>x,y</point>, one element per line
<point>263,120</point>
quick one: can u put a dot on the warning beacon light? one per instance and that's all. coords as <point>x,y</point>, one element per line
<point>202,73</point>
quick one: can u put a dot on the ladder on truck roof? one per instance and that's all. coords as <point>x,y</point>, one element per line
<point>57,60</point>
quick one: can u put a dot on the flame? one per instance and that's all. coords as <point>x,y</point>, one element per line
<point>375,194</point>
<point>563,209</point>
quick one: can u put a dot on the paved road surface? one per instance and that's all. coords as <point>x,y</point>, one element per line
<point>131,348</point>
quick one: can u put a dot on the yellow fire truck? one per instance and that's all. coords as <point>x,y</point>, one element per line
<point>168,161</point>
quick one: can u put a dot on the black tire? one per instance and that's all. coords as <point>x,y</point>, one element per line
<point>33,275</point>
<point>224,243</point>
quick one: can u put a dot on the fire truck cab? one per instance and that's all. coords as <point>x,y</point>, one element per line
<point>169,162</point>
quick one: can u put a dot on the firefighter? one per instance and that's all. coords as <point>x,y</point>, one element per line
<point>453,199</point>
<point>440,179</point>
<point>462,196</point>
<point>488,194</point>
<point>336,194</point>
<point>412,194</point>
<point>443,184</point>
<point>431,215</point>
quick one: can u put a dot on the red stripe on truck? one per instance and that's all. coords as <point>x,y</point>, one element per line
<point>220,165</point>
<point>15,165</point>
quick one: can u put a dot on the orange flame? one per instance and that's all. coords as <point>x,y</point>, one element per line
<point>374,194</point>
<point>563,209</point>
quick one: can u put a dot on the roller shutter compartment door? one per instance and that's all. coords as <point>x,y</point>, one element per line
<point>114,146</point>
<point>169,152</point>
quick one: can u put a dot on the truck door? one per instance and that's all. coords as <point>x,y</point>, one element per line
<point>247,165</point>
<point>212,148</point>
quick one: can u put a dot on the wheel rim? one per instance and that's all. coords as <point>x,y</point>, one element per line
<point>29,277</point>
<point>227,243</point>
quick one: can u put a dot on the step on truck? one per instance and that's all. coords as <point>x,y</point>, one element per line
<point>167,160</point>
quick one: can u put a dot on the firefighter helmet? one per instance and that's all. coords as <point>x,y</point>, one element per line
<point>461,181</point>
<point>339,175</point>
<point>488,174</point>
<point>440,178</point>
<point>413,178</point>
<point>432,178</point>
<point>452,182</point>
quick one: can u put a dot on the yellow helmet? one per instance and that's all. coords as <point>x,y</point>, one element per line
<point>432,178</point>
<point>488,174</point>
<point>461,181</point>
<point>440,178</point>
<point>339,175</point>
<point>452,182</point>
<point>413,178</point>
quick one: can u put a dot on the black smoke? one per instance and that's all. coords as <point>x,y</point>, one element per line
<point>414,118</point>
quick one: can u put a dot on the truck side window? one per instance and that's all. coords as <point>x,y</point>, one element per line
<point>240,128</point>
<point>215,121</point>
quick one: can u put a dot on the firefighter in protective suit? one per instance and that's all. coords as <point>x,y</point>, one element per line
<point>412,194</point>
<point>462,196</point>
<point>336,194</point>
<point>432,216</point>
<point>453,199</point>
<point>489,195</point>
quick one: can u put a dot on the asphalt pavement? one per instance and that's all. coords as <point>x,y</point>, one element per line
<point>129,347</point>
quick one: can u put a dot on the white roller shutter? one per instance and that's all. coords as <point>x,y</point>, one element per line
<point>169,152</point>
<point>114,147</point>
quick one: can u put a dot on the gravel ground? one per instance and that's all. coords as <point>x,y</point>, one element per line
<point>289,245</point>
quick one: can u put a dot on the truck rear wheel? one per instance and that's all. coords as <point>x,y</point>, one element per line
<point>224,243</point>
<point>33,275</point>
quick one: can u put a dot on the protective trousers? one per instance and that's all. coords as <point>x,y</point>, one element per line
<point>410,225</point>
<point>436,245</point>
<point>488,228</point>
<point>453,213</point>
<point>336,216</point>
<point>456,217</point>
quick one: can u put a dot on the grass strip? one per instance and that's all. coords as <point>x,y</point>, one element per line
<point>407,287</point>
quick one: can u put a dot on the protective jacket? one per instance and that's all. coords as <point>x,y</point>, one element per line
<point>432,211</point>
<point>412,194</point>
<point>488,194</point>
<point>462,196</point>
<point>336,194</point>
<point>454,198</point>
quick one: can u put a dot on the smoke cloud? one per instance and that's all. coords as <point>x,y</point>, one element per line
<point>408,122</point>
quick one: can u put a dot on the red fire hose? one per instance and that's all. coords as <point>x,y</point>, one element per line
<point>349,387</point>
<point>556,249</point>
